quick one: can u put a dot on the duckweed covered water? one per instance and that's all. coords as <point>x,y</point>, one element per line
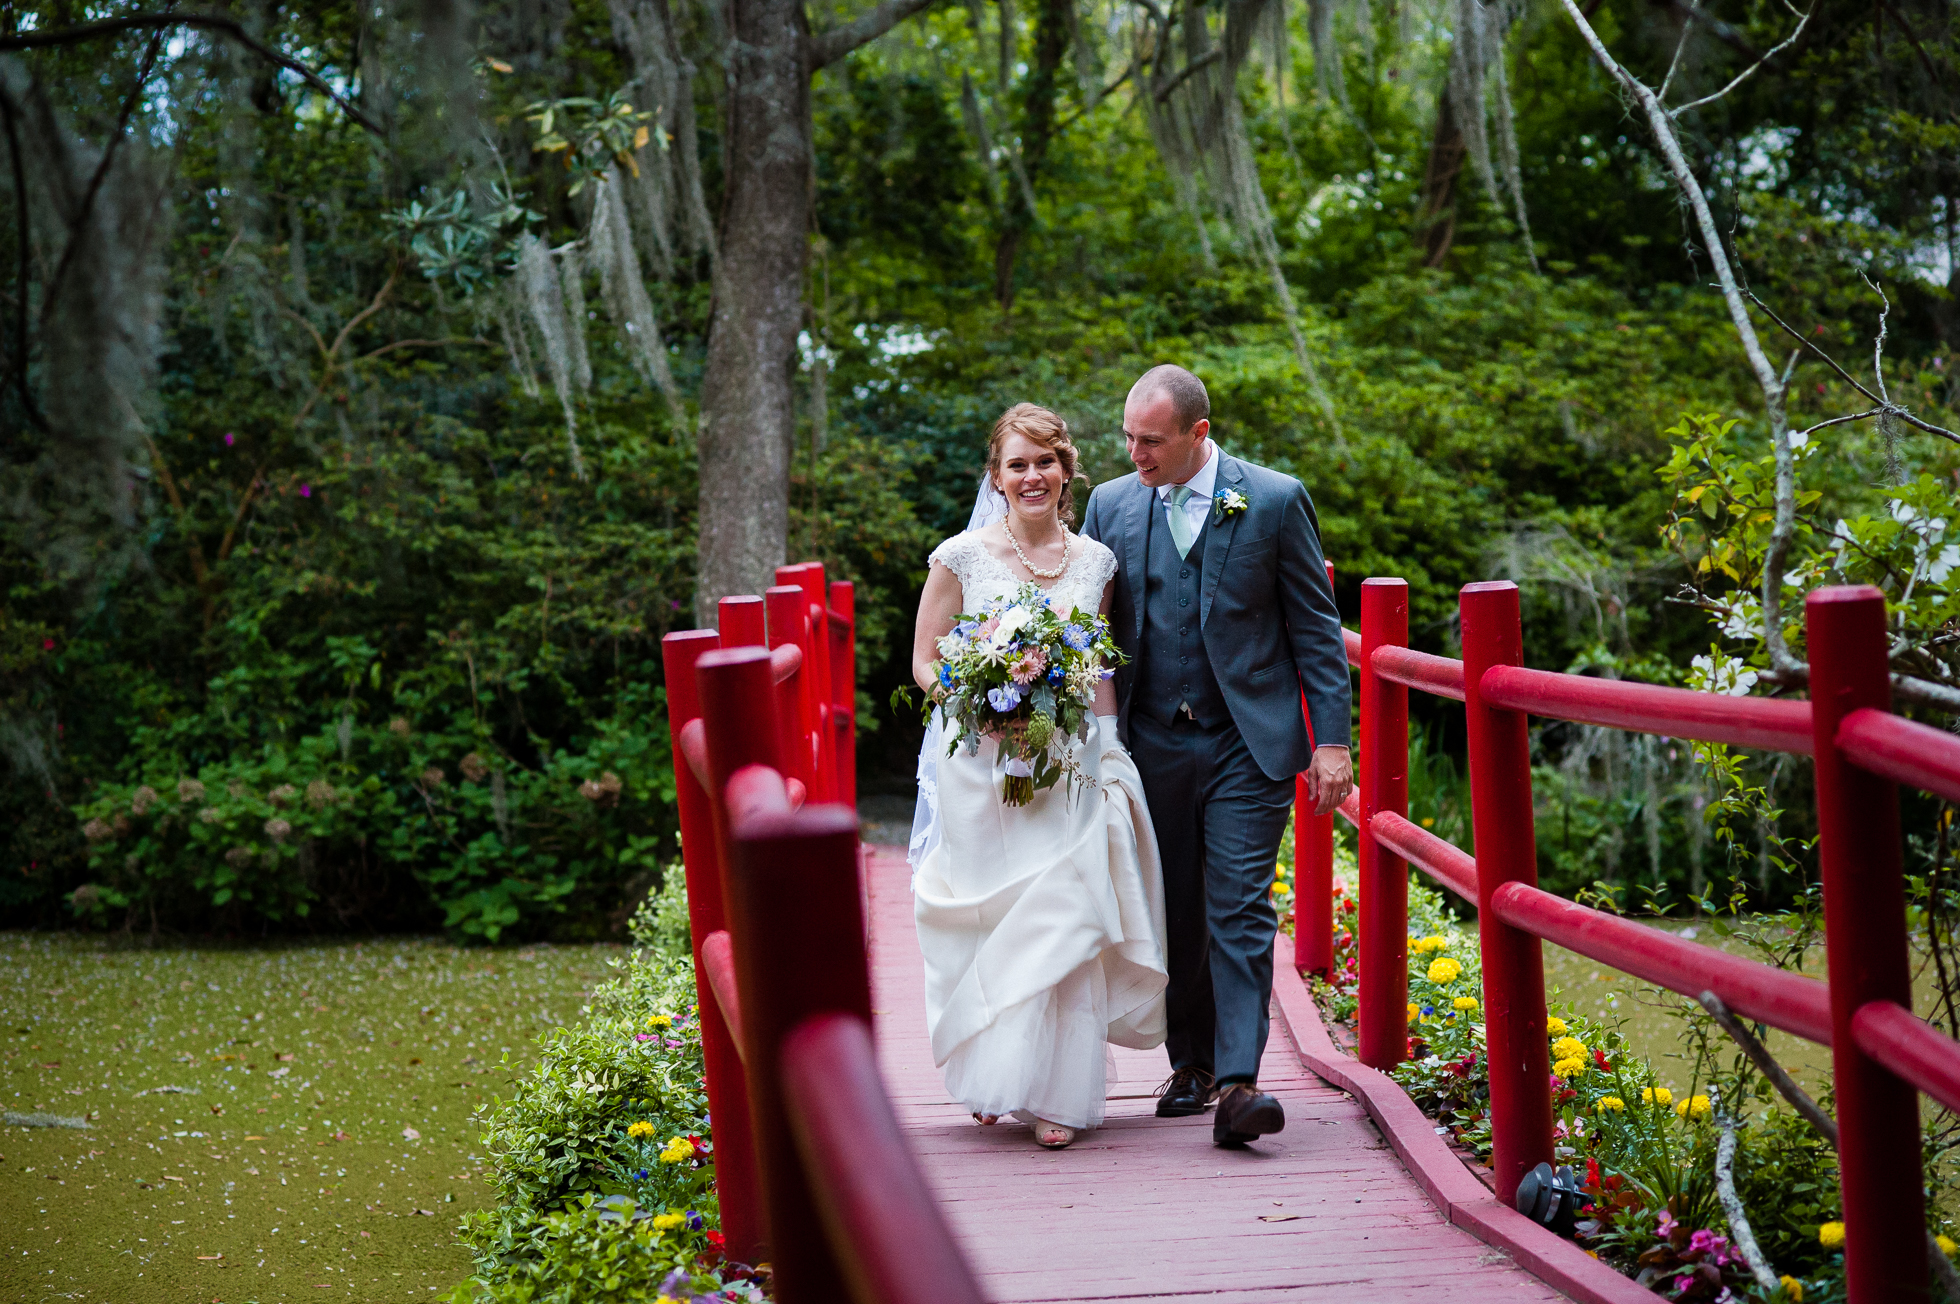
<point>264,1124</point>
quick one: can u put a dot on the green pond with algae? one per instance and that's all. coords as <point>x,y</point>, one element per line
<point>274,1123</point>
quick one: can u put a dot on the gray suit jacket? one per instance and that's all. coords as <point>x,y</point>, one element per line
<point>1267,611</point>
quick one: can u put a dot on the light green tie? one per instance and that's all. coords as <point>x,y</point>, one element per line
<point>1183,533</point>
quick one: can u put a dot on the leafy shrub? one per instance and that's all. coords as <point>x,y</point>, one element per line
<point>660,921</point>
<point>603,1158</point>
<point>353,816</point>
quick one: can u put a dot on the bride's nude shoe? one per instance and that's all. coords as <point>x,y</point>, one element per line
<point>986,1120</point>
<point>1052,1136</point>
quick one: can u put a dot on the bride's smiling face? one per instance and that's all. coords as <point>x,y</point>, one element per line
<point>1031,477</point>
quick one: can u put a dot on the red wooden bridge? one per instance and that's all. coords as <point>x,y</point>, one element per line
<point>840,1160</point>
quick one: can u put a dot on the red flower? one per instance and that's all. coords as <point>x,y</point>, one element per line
<point>1599,1058</point>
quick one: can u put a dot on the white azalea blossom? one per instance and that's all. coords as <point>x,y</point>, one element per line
<point>1728,676</point>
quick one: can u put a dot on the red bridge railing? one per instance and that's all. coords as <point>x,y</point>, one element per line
<point>811,1168</point>
<point>1882,1055</point>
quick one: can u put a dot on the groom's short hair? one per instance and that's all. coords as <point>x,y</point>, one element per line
<point>1188,398</point>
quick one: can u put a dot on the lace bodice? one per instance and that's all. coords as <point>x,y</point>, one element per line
<point>983,575</point>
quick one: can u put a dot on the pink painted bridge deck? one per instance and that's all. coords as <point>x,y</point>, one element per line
<point>1147,1208</point>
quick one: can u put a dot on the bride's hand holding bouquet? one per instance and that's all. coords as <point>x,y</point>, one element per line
<point>1023,673</point>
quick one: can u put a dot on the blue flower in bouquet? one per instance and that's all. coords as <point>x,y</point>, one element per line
<point>945,675</point>
<point>1005,698</point>
<point>1056,674</point>
<point>1077,637</point>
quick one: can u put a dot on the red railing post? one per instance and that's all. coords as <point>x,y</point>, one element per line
<point>1865,953</point>
<point>1507,852</point>
<point>809,576</point>
<point>789,625</point>
<point>742,623</point>
<point>842,625</point>
<point>799,952</point>
<point>1313,872</point>
<point>1383,1020</point>
<point>728,1100</point>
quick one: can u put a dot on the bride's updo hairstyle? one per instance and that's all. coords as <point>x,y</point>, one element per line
<point>1051,432</point>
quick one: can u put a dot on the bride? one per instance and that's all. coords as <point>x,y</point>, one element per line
<point>1041,924</point>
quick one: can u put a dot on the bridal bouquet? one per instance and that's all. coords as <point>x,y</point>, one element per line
<point>1022,672</point>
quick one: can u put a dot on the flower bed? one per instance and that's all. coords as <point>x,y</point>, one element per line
<point>1642,1146</point>
<point>603,1157</point>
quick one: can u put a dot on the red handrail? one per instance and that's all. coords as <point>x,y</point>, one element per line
<point>1760,991</point>
<point>805,1140</point>
<point>1762,722</point>
<point>718,962</point>
<point>1915,1049</point>
<point>876,1206</point>
<point>1903,751</point>
<point>1440,676</point>
<point>1440,859</point>
<point>1881,1052</point>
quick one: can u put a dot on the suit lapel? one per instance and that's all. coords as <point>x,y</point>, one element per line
<point>1218,537</point>
<point>1136,548</point>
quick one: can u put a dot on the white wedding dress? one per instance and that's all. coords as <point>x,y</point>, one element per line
<point>1041,925</point>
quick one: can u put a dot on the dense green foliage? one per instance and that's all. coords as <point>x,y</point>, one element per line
<point>360,554</point>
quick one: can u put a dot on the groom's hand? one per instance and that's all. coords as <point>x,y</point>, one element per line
<point>1330,778</point>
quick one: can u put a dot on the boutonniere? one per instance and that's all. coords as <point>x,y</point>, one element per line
<point>1229,503</point>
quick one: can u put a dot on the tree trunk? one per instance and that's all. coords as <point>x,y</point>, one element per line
<point>1037,131</point>
<point>747,421</point>
<point>1446,155</point>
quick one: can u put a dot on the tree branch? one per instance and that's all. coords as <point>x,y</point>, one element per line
<point>1884,404</point>
<point>422,344</point>
<point>1208,57</point>
<point>332,353</point>
<point>1748,72</point>
<point>76,226</point>
<point>828,47</point>
<point>1823,1124</point>
<point>22,236</point>
<point>201,22</point>
<point>1784,529</point>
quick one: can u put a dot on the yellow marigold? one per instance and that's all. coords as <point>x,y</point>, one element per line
<point>1415,1012</point>
<point>666,1222</point>
<point>1656,1096</point>
<point>1946,1244</point>
<point>679,1150</point>
<point>1555,1027</point>
<point>1792,1289</point>
<point>659,1021</point>
<point>638,1130</point>
<point>1612,1104</point>
<point>1444,971</point>
<point>1570,1068</point>
<point>1465,1002</point>
<point>1424,945</point>
<point>1694,1107</point>
<point>1831,1235</point>
<point>1569,1048</point>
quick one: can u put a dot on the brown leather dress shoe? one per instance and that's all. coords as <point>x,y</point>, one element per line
<point>1245,1113</point>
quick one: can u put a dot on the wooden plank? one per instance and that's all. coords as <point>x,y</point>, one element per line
<point>1148,1209</point>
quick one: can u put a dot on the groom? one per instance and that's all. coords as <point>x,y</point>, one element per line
<point>1223,606</point>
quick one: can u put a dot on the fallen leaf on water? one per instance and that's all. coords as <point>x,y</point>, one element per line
<point>426,1213</point>
<point>1278,1217</point>
<point>410,1134</point>
<point>206,1258</point>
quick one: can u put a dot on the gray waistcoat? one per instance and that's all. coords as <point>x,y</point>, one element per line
<point>1174,667</point>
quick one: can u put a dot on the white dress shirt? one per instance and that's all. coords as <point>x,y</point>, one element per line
<point>1198,505</point>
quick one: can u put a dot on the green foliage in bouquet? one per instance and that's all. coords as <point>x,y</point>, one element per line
<point>1025,673</point>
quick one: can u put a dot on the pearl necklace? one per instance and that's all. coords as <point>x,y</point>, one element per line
<point>1032,568</point>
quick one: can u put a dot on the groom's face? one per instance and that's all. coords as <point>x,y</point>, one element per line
<point>1162,453</point>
